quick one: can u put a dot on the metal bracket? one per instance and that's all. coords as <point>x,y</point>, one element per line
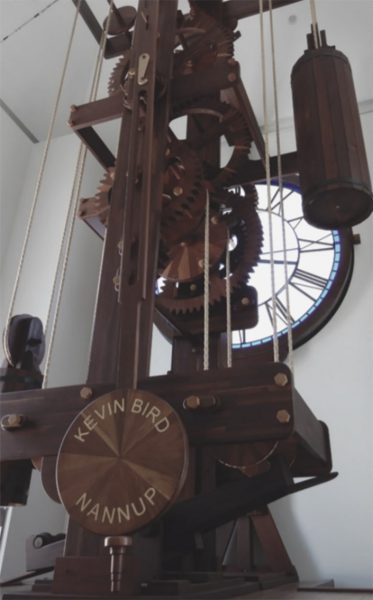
<point>143,64</point>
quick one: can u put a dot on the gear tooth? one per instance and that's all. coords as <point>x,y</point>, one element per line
<point>118,74</point>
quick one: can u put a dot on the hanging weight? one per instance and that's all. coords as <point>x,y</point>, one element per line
<point>333,168</point>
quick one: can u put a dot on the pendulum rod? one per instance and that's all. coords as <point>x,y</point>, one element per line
<point>281,188</point>
<point>206,281</point>
<point>37,187</point>
<point>65,247</point>
<point>276,353</point>
<point>228,301</point>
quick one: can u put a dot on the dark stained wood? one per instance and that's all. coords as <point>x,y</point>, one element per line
<point>242,316</point>
<point>89,576</point>
<point>270,539</point>
<point>218,77</point>
<point>254,412</point>
<point>311,431</point>
<point>237,96</point>
<point>141,223</point>
<point>138,428</point>
<point>97,147</point>
<point>94,113</point>
<point>333,167</point>
<point>239,9</point>
<point>43,430</point>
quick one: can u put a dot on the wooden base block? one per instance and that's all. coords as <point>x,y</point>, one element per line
<point>90,576</point>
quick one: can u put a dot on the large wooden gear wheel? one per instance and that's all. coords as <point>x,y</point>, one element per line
<point>122,462</point>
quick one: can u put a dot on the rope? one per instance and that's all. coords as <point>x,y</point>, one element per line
<point>43,10</point>
<point>74,198</point>
<point>206,294</point>
<point>280,179</point>
<point>37,190</point>
<point>229,308</point>
<point>268,183</point>
<point>315,27</point>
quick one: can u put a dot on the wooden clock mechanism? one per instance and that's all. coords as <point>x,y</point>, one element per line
<point>160,475</point>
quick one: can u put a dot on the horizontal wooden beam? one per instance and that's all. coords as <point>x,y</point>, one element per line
<point>240,9</point>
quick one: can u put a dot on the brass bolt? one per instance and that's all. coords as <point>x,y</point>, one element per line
<point>215,220</point>
<point>232,77</point>
<point>192,402</point>
<point>192,287</point>
<point>10,422</point>
<point>199,402</point>
<point>283,416</point>
<point>245,301</point>
<point>281,379</point>
<point>177,191</point>
<point>86,393</point>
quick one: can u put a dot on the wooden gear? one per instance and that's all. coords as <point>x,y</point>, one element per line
<point>122,437</point>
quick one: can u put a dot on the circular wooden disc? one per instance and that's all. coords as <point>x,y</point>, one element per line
<point>122,462</point>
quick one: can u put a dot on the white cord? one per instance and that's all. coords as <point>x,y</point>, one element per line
<point>268,182</point>
<point>74,199</point>
<point>315,27</point>
<point>206,295</point>
<point>228,302</point>
<point>280,179</point>
<point>37,189</point>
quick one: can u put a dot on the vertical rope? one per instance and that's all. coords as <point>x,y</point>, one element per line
<point>228,302</point>
<point>280,179</point>
<point>315,27</point>
<point>37,188</point>
<point>268,183</point>
<point>206,277</point>
<point>74,198</point>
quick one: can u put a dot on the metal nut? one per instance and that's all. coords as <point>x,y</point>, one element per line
<point>281,379</point>
<point>245,301</point>
<point>86,393</point>
<point>283,416</point>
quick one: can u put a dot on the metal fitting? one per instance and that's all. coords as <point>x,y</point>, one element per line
<point>11,422</point>
<point>283,416</point>
<point>281,379</point>
<point>86,393</point>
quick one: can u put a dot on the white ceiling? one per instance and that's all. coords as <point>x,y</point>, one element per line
<point>32,58</point>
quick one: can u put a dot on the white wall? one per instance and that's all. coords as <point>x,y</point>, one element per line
<point>14,157</point>
<point>70,356</point>
<point>328,530</point>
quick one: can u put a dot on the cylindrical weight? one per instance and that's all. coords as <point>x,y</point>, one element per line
<point>333,168</point>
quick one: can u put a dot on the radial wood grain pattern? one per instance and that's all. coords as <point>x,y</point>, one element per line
<point>122,462</point>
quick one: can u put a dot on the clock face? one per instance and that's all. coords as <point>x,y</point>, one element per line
<point>319,268</point>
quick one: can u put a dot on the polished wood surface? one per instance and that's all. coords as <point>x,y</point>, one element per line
<point>122,462</point>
